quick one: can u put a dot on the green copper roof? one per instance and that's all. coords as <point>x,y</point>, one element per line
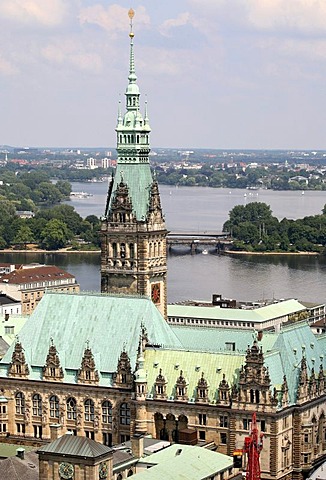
<point>220,339</point>
<point>291,344</point>
<point>192,364</point>
<point>107,323</point>
<point>268,312</point>
<point>184,462</point>
<point>139,179</point>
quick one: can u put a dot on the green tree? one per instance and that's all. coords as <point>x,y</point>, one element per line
<point>55,235</point>
<point>47,193</point>
<point>64,187</point>
<point>24,236</point>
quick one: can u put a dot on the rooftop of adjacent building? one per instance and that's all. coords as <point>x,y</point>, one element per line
<point>184,461</point>
<point>35,273</point>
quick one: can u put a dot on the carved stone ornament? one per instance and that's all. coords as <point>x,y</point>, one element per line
<point>87,372</point>
<point>52,369</point>
<point>18,366</point>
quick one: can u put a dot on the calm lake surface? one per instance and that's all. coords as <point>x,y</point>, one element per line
<point>248,277</point>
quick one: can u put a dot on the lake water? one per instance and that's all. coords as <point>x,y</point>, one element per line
<point>249,277</point>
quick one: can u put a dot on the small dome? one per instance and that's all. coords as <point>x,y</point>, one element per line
<point>132,89</point>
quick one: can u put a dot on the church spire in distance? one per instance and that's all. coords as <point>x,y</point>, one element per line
<point>133,232</point>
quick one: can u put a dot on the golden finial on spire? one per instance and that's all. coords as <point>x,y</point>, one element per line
<point>131,15</point>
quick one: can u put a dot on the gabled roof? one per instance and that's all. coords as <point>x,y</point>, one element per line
<point>75,446</point>
<point>108,323</point>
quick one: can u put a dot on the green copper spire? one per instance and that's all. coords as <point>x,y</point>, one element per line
<point>133,144</point>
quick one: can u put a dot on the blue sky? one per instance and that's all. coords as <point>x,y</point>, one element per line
<point>216,73</point>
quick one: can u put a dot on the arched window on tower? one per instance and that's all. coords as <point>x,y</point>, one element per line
<point>114,249</point>
<point>132,250</point>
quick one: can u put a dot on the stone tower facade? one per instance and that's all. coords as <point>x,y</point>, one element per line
<point>133,232</point>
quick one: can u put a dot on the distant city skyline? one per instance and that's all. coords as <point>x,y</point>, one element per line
<point>217,74</point>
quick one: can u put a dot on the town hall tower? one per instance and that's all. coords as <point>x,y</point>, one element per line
<point>133,232</point>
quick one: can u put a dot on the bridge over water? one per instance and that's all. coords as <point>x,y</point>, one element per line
<point>219,241</point>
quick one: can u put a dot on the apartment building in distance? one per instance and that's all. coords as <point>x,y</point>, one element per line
<point>28,283</point>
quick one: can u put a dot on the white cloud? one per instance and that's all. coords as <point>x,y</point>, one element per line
<point>301,15</point>
<point>70,53</point>
<point>44,12</point>
<point>114,18</point>
<point>181,20</point>
<point>306,16</point>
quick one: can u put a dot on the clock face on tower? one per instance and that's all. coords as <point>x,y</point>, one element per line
<point>66,470</point>
<point>156,293</point>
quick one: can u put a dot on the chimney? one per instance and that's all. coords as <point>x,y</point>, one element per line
<point>137,445</point>
<point>20,453</point>
<point>55,431</point>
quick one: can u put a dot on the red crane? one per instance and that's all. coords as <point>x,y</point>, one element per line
<point>252,447</point>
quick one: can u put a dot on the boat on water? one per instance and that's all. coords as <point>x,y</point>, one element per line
<point>80,195</point>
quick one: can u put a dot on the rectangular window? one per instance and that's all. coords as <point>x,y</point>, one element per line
<point>89,434</point>
<point>230,346</point>
<point>107,439</point>
<point>224,421</point>
<point>202,435</point>
<point>306,438</point>
<point>9,330</point>
<point>202,418</point>
<point>262,426</point>
<point>124,438</point>
<point>223,438</point>
<point>37,431</point>
<point>20,427</point>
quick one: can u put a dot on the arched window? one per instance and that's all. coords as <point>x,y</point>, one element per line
<point>130,473</point>
<point>124,414</point>
<point>20,403</point>
<point>119,477</point>
<point>132,250</point>
<point>71,408</point>
<point>114,249</point>
<point>37,404</point>
<point>106,412</point>
<point>54,407</point>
